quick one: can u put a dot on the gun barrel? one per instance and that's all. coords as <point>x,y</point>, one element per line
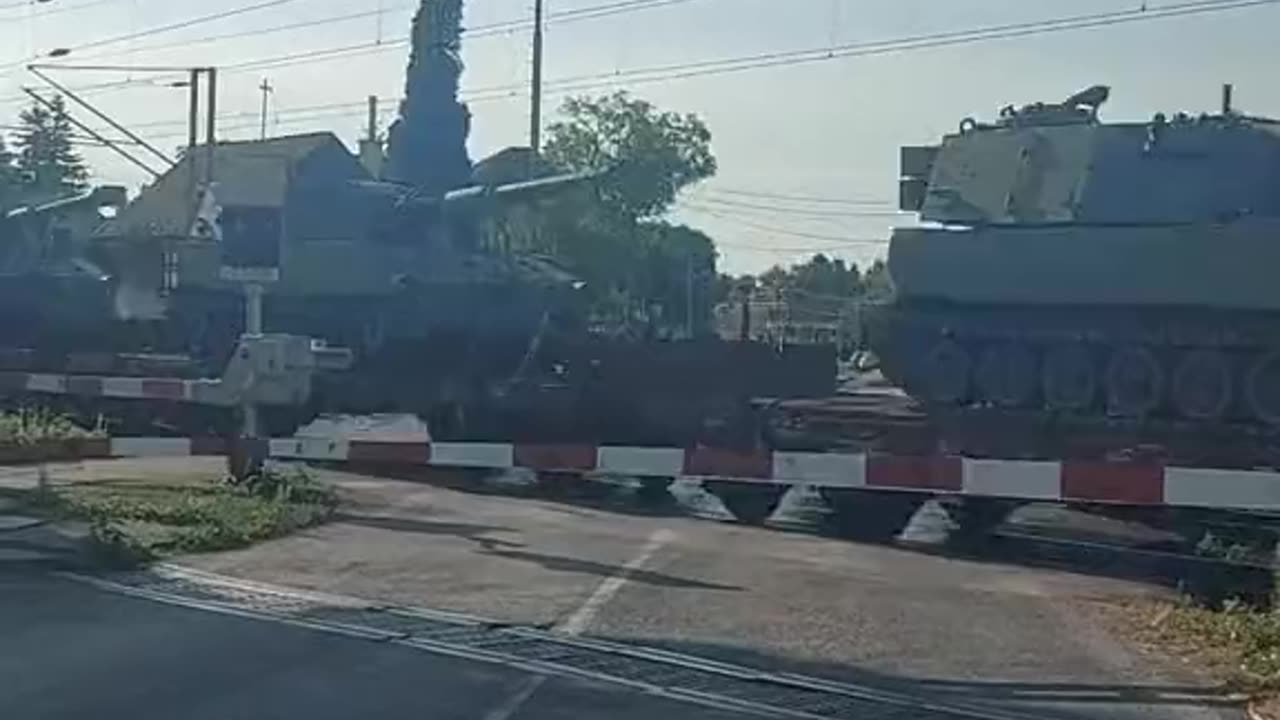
<point>477,197</point>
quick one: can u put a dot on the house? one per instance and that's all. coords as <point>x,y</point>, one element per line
<point>289,196</point>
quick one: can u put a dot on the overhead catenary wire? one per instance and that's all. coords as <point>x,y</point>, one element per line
<point>721,66</point>
<point>740,63</point>
<point>797,198</point>
<point>843,242</point>
<point>45,12</point>
<point>912,43</point>
<point>170,27</point>
<point>256,31</point>
<point>325,54</point>
<point>826,212</point>
<point>347,51</point>
<point>718,66</point>
<point>378,45</point>
<point>582,13</point>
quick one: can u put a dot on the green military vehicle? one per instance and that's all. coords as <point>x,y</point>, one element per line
<point>1067,264</point>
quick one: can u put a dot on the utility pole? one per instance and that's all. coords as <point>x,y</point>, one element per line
<point>193,113</point>
<point>371,152</point>
<point>193,140</point>
<point>211,130</point>
<point>266,89</point>
<point>535,110</point>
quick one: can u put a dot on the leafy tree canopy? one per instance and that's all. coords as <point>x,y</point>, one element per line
<point>650,155</point>
<point>820,277</point>
<point>639,269</point>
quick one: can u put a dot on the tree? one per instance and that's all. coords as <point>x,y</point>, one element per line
<point>677,276</point>
<point>48,164</point>
<point>877,284</point>
<point>820,277</point>
<point>637,267</point>
<point>427,144</point>
<point>8,175</point>
<point>649,155</point>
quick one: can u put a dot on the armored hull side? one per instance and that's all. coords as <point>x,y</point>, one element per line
<point>1229,266</point>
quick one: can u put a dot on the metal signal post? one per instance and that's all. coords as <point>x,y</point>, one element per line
<point>535,110</point>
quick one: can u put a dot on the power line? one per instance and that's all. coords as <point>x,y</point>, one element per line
<point>99,88</point>
<point>327,53</point>
<point>733,245</point>
<point>583,13</point>
<point>333,53</point>
<point>180,25</point>
<point>345,51</point>
<point>817,200</point>
<point>304,24</point>
<point>806,212</point>
<point>49,11</point>
<point>736,64</point>
<point>723,66</point>
<point>757,61</point>
<point>844,241</point>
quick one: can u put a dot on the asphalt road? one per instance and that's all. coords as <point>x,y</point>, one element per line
<point>71,651</point>
<point>1000,633</point>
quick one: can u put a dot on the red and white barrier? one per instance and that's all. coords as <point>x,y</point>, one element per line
<point>1126,483</point>
<point>124,388</point>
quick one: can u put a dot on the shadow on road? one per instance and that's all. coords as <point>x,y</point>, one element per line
<point>604,495</point>
<point>480,534</point>
<point>1047,700</point>
<point>468,531</point>
<point>1205,580</point>
<point>1137,694</point>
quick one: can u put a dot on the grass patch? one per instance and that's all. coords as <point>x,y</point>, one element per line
<point>139,521</point>
<point>1236,645</point>
<point>34,426</point>
<point>1239,644</point>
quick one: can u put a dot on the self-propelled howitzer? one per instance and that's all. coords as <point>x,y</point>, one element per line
<point>1078,266</point>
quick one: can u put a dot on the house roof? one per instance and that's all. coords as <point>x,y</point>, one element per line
<point>254,173</point>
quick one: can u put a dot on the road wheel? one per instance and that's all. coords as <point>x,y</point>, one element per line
<point>654,490</point>
<point>947,373</point>
<point>1202,386</point>
<point>1068,378</point>
<point>1006,375</point>
<point>1135,382</point>
<point>749,503</point>
<point>869,515</point>
<point>976,517</point>
<point>1262,388</point>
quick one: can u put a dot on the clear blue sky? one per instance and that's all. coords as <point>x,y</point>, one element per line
<point>827,129</point>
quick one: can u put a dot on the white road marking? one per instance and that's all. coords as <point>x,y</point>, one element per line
<point>581,618</point>
<point>512,705</point>
<point>586,613</point>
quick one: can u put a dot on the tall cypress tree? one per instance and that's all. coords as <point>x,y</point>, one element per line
<point>427,144</point>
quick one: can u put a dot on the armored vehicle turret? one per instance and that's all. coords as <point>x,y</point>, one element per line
<point>1068,264</point>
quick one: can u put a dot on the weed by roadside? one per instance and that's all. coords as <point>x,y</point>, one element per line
<point>1236,644</point>
<point>139,521</point>
<point>1245,642</point>
<point>31,426</point>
